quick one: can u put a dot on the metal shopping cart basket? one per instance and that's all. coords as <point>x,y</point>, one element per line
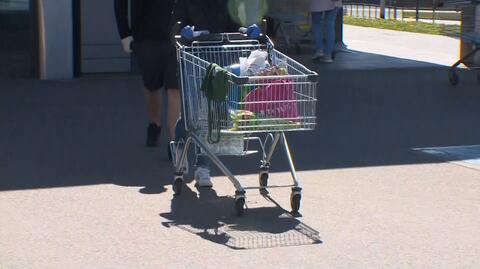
<point>291,22</point>
<point>256,109</point>
<point>470,35</point>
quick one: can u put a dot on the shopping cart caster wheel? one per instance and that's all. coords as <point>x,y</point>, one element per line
<point>240,203</point>
<point>453,78</point>
<point>240,206</point>
<point>177,185</point>
<point>263,181</point>
<point>295,199</point>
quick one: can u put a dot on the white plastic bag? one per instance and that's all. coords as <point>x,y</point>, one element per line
<point>252,65</point>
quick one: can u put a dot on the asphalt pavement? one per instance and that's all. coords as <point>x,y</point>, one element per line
<point>78,189</point>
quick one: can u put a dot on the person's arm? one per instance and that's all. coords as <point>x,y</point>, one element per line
<point>121,15</point>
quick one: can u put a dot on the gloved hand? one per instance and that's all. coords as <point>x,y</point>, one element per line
<point>187,32</point>
<point>253,31</point>
<point>127,44</point>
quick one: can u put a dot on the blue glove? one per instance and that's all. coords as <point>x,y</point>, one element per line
<point>253,31</point>
<point>187,32</point>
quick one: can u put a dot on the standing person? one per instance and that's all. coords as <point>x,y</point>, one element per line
<point>324,11</point>
<point>340,46</point>
<point>216,16</point>
<point>150,33</point>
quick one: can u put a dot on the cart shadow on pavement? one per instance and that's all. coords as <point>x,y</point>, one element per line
<point>212,218</point>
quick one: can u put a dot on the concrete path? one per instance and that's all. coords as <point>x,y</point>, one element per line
<point>433,49</point>
<point>468,156</point>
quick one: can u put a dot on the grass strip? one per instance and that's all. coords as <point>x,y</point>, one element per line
<point>405,26</point>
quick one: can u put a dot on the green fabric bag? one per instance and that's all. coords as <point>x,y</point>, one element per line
<point>215,86</point>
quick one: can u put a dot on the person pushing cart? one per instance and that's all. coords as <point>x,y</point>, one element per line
<point>215,16</point>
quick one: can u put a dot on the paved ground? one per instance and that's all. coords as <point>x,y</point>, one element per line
<point>372,49</point>
<point>79,190</point>
<point>468,156</point>
<point>435,49</point>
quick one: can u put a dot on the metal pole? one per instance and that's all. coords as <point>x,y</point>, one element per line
<point>433,12</point>
<point>290,160</point>
<point>416,10</point>
<point>383,3</point>
<point>395,10</point>
<point>56,52</point>
<point>272,147</point>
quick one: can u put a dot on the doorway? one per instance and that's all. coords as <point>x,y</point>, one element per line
<point>16,44</point>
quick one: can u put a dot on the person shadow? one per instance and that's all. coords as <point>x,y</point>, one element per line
<point>213,218</point>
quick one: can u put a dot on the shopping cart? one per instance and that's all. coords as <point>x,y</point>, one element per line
<point>470,35</point>
<point>291,22</point>
<point>256,109</point>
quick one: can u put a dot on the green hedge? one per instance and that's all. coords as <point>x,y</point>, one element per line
<point>439,15</point>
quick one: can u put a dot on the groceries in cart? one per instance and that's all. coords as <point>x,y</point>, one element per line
<point>270,105</point>
<point>254,64</point>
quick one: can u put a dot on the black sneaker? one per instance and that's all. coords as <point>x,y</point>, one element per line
<point>153,133</point>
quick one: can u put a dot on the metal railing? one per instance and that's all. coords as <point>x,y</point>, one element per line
<point>404,13</point>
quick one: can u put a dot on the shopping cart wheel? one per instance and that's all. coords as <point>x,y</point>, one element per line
<point>178,184</point>
<point>295,199</point>
<point>240,203</point>
<point>453,77</point>
<point>263,180</point>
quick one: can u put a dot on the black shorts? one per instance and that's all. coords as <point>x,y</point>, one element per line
<point>158,64</point>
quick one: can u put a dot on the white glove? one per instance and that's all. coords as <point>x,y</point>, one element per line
<point>126,44</point>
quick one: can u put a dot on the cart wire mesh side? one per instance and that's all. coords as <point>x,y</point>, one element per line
<point>280,103</point>
<point>469,35</point>
<point>292,21</point>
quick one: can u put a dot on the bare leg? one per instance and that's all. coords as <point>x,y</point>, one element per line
<point>153,100</point>
<point>174,107</point>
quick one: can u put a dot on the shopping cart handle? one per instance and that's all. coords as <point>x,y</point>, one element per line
<point>243,30</point>
<point>223,38</point>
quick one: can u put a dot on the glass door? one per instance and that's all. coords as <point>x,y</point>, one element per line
<point>16,40</point>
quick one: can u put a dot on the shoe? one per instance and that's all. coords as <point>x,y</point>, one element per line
<point>202,176</point>
<point>318,54</point>
<point>326,59</point>
<point>341,47</point>
<point>153,133</point>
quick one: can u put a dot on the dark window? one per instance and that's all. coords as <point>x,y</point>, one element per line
<point>16,40</point>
